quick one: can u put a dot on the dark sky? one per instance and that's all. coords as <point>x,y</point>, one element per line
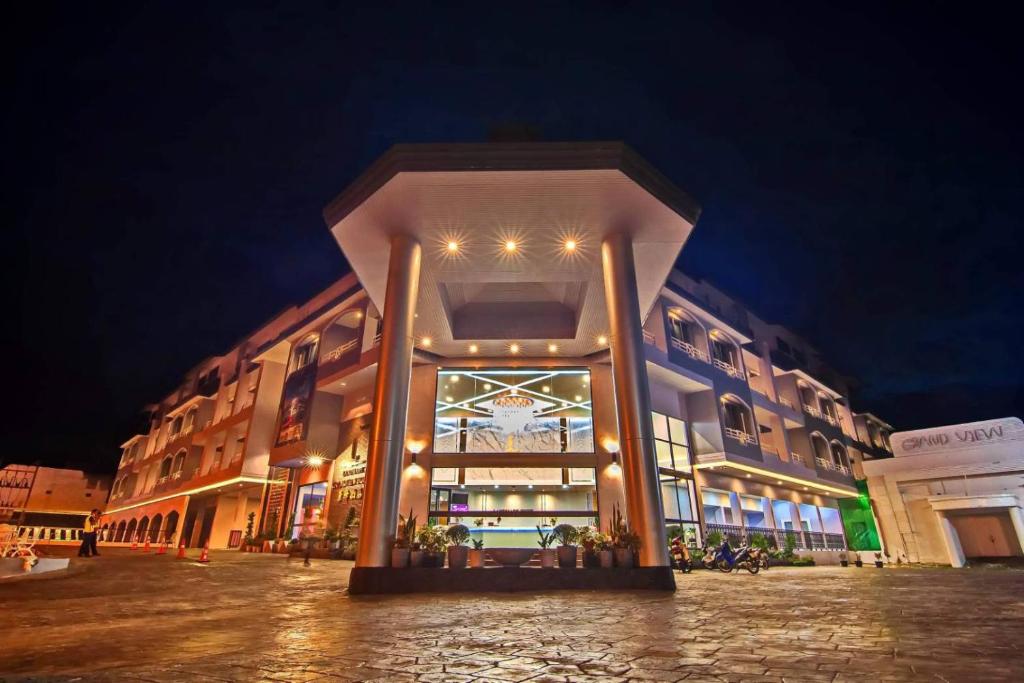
<point>860,170</point>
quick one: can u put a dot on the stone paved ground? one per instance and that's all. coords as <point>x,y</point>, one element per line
<point>257,617</point>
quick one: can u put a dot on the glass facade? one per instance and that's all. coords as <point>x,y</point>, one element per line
<point>512,410</point>
<point>672,448</point>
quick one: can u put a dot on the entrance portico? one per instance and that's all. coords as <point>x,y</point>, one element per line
<point>536,257</point>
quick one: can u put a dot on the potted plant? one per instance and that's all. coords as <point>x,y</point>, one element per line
<point>566,536</point>
<point>857,561</point>
<point>432,541</point>
<point>250,536</point>
<point>403,540</point>
<point>457,535</point>
<point>478,522</point>
<point>625,541</point>
<point>585,537</point>
<point>878,560</point>
<point>843,561</point>
<point>547,553</point>
<point>605,555</point>
<point>476,555</point>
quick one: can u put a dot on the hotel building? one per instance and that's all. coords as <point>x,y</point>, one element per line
<point>513,347</point>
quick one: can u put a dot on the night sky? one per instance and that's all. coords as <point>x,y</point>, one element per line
<point>860,171</point>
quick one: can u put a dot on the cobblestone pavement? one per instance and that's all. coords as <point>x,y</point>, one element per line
<point>257,617</point>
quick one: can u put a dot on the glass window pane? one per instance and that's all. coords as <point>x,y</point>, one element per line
<point>670,500</point>
<point>677,428</point>
<point>681,455</point>
<point>664,453</point>
<point>660,426</point>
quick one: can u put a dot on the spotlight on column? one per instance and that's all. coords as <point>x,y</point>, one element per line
<point>414,447</point>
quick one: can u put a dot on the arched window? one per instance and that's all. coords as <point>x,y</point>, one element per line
<point>737,420</point>
<point>808,397</point>
<point>155,529</point>
<point>171,525</point>
<point>304,353</point>
<point>828,408</point>
<point>129,532</point>
<point>724,354</point>
<point>179,462</point>
<point>176,425</point>
<point>190,420</point>
<point>119,536</point>
<point>165,467</point>
<point>839,455</point>
<point>683,326</point>
<point>822,453</point>
<point>142,529</point>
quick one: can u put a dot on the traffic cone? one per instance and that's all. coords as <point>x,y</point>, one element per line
<point>135,544</point>
<point>145,548</point>
<point>205,555</point>
<point>181,551</point>
<point>162,550</point>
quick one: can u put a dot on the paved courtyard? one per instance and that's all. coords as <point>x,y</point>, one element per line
<point>255,617</point>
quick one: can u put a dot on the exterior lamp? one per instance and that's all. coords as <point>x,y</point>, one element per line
<point>414,447</point>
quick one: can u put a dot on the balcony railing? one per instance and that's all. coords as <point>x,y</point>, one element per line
<point>376,339</point>
<point>803,540</point>
<point>797,458</point>
<point>740,435</point>
<point>690,350</point>
<point>338,351</point>
<point>825,464</point>
<point>812,411</point>
<point>728,368</point>
<point>648,338</point>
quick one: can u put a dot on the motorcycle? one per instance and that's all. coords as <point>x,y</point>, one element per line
<point>681,555</point>
<point>760,557</point>
<point>740,559</point>
<point>709,558</point>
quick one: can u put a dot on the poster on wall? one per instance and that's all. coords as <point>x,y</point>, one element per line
<point>295,404</point>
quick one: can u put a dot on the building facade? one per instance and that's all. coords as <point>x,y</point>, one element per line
<point>48,504</point>
<point>514,349</point>
<point>952,493</point>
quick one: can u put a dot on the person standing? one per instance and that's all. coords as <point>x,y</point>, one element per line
<point>94,536</point>
<point>88,534</point>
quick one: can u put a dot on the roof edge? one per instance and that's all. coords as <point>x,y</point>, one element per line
<point>516,156</point>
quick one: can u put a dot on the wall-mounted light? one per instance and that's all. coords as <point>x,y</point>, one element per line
<point>602,340</point>
<point>414,447</point>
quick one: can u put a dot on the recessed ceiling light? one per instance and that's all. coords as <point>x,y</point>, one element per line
<point>487,387</point>
<point>511,246</point>
<point>453,246</point>
<point>449,399</point>
<point>578,398</point>
<point>552,348</point>
<point>602,340</point>
<point>749,475</point>
<point>426,342</point>
<point>546,389</point>
<point>570,245</point>
<point>473,348</point>
<point>514,348</point>
<point>455,378</point>
<point>779,483</point>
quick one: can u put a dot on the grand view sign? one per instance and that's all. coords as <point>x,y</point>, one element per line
<point>958,437</point>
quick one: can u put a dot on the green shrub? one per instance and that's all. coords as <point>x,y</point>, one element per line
<point>565,534</point>
<point>458,534</point>
<point>714,538</point>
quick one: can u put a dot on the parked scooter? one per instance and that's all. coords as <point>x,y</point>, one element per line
<point>681,555</point>
<point>709,558</point>
<point>760,557</point>
<point>740,559</point>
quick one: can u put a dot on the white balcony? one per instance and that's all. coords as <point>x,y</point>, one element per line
<point>740,436</point>
<point>831,466</point>
<point>690,350</point>
<point>812,411</point>
<point>728,369</point>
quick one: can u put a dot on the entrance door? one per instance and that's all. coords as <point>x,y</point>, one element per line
<point>190,526</point>
<point>985,535</point>
<point>207,526</point>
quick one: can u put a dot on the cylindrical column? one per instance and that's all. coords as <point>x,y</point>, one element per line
<point>633,400</point>
<point>390,406</point>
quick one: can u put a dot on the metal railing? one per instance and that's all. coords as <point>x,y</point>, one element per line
<point>728,368</point>
<point>802,540</point>
<point>812,411</point>
<point>338,351</point>
<point>690,350</point>
<point>826,464</point>
<point>41,534</point>
<point>797,458</point>
<point>740,435</point>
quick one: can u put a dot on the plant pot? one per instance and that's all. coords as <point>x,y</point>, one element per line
<point>399,557</point>
<point>879,564</point>
<point>457,556</point>
<point>624,558</point>
<point>858,563</point>
<point>434,559</point>
<point>547,557</point>
<point>416,558</point>
<point>606,558</point>
<point>590,560</point>
<point>844,563</point>
<point>476,559</point>
<point>268,547</point>
<point>567,556</point>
